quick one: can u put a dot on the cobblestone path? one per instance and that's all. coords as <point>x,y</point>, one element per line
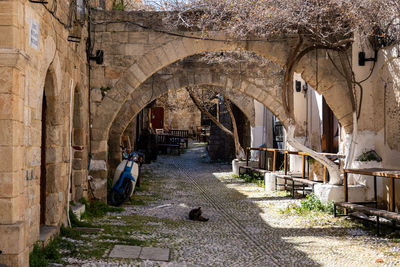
<point>245,238</point>
<point>246,226</point>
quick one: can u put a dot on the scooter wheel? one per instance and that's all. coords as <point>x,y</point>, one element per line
<point>116,198</point>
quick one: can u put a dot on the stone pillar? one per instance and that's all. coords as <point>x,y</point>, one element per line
<point>13,200</point>
<point>258,130</point>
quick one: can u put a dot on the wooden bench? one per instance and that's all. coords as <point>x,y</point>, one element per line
<point>183,134</point>
<point>301,180</point>
<point>260,169</point>
<point>166,141</point>
<point>360,206</point>
<point>295,183</point>
<point>378,213</point>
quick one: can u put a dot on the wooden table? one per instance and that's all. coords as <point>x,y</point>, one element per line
<point>388,173</point>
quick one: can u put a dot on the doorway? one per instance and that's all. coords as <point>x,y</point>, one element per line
<point>157,118</point>
<point>330,129</point>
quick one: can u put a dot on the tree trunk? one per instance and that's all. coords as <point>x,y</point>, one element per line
<point>239,151</point>
<point>333,169</point>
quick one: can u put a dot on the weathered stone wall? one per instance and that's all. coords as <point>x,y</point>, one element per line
<point>179,111</point>
<point>24,66</point>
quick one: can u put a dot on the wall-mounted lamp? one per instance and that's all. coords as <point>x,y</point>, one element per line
<point>298,86</point>
<point>362,59</point>
<point>305,88</point>
<point>38,1</point>
<point>99,57</point>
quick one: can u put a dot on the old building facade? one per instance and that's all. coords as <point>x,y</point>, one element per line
<point>58,106</point>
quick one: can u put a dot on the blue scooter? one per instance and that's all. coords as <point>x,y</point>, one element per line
<point>127,176</point>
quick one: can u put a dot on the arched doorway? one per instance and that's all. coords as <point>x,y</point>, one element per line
<point>51,186</point>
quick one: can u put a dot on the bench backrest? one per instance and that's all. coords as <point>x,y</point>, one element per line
<point>180,133</point>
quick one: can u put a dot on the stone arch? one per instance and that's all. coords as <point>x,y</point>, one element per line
<point>265,90</point>
<point>264,87</point>
<point>240,100</point>
<point>330,83</point>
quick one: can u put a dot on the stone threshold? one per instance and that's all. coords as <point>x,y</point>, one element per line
<point>46,233</point>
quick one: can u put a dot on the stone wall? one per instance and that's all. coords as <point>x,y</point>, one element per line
<point>37,59</point>
<point>179,111</point>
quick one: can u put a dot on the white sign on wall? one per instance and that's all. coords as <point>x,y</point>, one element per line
<point>34,34</point>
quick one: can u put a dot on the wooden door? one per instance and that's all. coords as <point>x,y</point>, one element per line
<point>157,118</point>
<point>329,129</point>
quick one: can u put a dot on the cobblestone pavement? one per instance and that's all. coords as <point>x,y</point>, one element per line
<point>246,227</point>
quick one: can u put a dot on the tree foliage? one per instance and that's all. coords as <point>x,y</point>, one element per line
<point>330,23</point>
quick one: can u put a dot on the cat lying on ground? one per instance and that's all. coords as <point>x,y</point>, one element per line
<point>195,215</point>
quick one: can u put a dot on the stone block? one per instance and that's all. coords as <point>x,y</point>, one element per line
<point>79,136</point>
<point>12,40</point>
<point>11,133</point>
<point>99,187</point>
<point>154,254</point>
<point>78,154</point>
<point>11,107</point>
<point>54,154</point>
<point>134,49</point>
<point>127,252</point>
<point>53,208</point>
<point>119,37</point>
<point>112,73</point>
<point>53,174</point>
<point>11,158</point>
<point>11,184</point>
<point>10,13</point>
<point>77,164</point>
<point>78,178</point>
<point>138,37</point>
<point>116,27</point>
<point>98,173</point>
<point>328,192</point>
<point>16,260</point>
<point>11,81</point>
<point>10,210</point>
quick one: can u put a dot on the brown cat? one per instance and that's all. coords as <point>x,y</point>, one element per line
<point>195,215</point>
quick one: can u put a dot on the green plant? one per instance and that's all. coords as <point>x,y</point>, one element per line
<point>75,222</point>
<point>370,155</point>
<point>103,90</point>
<point>43,255</point>
<point>119,5</point>
<point>311,204</point>
<point>97,209</point>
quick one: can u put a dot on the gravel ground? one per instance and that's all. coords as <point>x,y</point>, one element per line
<point>246,226</point>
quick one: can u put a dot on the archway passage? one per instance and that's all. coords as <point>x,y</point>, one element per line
<point>135,54</point>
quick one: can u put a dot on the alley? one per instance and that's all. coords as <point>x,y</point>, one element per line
<point>246,227</point>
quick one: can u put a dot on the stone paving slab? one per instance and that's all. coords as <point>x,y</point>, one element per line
<point>144,253</point>
<point>155,254</point>
<point>127,252</point>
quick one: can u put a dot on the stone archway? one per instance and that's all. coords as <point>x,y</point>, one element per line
<point>136,54</point>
